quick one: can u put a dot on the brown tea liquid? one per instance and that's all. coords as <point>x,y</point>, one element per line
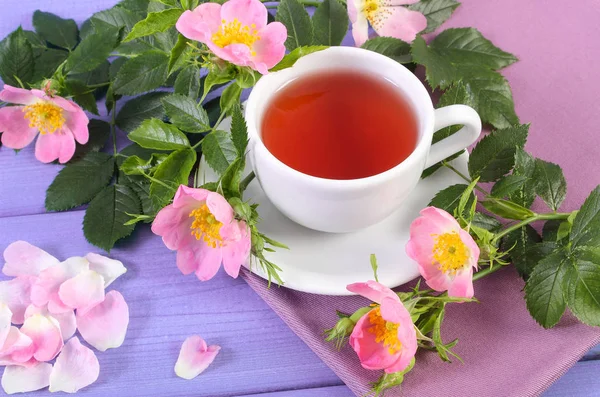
<point>340,125</point>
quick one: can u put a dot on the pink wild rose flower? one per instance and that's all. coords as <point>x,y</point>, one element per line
<point>201,227</point>
<point>59,121</point>
<point>236,31</point>
<point>385,337</point>
<point>387,17</point>
<point>446,254</point>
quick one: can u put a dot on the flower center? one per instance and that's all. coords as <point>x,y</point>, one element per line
<point>376,11</point>
<point>450,252</point>
<point>385,332</point>
<point>206,227</point>
<point>45,116</point>
<point>235,33</point>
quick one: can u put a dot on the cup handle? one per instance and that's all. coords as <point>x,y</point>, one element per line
<point>454,115</point>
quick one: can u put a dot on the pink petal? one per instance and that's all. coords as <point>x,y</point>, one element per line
<point>238,54</point>
<point>65,104</point>
<point>443,220</point>
<point>393,310</point>
<point>270,49</point>
<point>360,28</point>
<point>76,367</point>
<point>110,269</point>
<point>186,196</point>
<point>45,289</point>
<point>23,258</point>
<point>16,379</point>
<point>194,357</point>
<point>83,291</point>
<point>237,248</point>
<point>247,12</point>
<point>209,261</point>
<point>66,320</point>
<point>17,349</point>
<point>372,355</point>
<point>399,22</point>
<point>219,207</point>
<point>45,334</point>
<point>16,294</point>
<point>186,262</point>
<point>16,133</point>
<point>372,290</point>
<point>58,145</point>
<point>78,122</point>
<point>462,284</point>
<point>435,278</point>
<point>173,225</point>
<point>5,317</point>
<point>471,245</point>
<point>400,2</point>
<point>201,23</point>
<point>105,325</point>
<point>17,95</point>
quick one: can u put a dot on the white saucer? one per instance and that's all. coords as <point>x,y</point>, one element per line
<point>324,263</point>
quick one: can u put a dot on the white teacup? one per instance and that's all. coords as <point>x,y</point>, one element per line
<point>348,205</point>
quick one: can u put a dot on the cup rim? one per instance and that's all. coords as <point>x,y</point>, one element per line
<point>260,91</point>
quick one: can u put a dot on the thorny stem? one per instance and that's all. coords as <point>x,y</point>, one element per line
<point>463,176</point>
<point>487,271</point>
<point>536,217</point>
<point>246,181</point>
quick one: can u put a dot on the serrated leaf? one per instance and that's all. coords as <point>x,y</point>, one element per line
<point>219,151</point>
<point>35,40</point>
<point>586,225</point>
<point>92,51</point>
<point>105,217</point>
<point>179,54</point>
<point>550,184</point>
<point>134,165</point>
<point>494,155</point>
<point>99,75</point>
<point>485,222</point>
<point>47,63</point>
<point>142,73</point>
<point>16,59</point>
<point>507,185</point>
<point>80,182</point>
<point>141,108</point>
<point>448,198</point>
<point>173,171</point>
<point>116,17</point>
<point>393,48</point>
<point>137,6</point>
<point>155,134</point>
<point>52,28</point>
<point>295,18</point>
<point>213,79</point>
<point>232,177</point>
<point>582,286</point>
<point>532,256</point>
<point>467,202</point>
<point>507,209</point>
<point>185,113</point>
<point>230,97</point>
<point>188,82</point>
<point>524,166</point>
<point>544,289</point>
<point>290,59</point>
<point>155,22</point>
<point>330,23</point>
<point>141,186</point>
<point>436,11</point>
<point>239,131</point>
<point>517,244</point>
<point>82,95</point>
<point>99,131</point>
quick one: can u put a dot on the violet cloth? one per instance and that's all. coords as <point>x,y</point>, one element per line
<point>555,87</point>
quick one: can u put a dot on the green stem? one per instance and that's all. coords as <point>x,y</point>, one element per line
<point>99,85</point>
<point>221,117</point>
<point>113,132</point>
<point>463,176</point>
<point>246,181</point>
<point>536,217</point>
<point>487,271</point>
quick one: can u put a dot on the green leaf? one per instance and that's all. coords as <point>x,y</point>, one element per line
<point>173,171</point>
<point>524,166</point>
<point>139,109</point>
<point>507,209</point>
<point>141,186</point>
<point>467,202</point>
<point>105,217</point>
<point>137,6</point>
<point>185,113</point>
<point>543,292</point>
<point>532,256</point>
<point>517,244</point>
<point>188,81</point>
<point>330,23</point>
<point>247,78</point>
<point>219,151</point>
<point>92,51</point>
<point>46,64</point>
<point>395,49</point>
<point>374,266</point>
<point>213,79</point>
<point>52,28</point>
<point>142,73</point>
<point>239,131</point>
<point>550,185</point>
<point>295,18</point>
<point>448,198</point>
<point>99,75</point>
<point>507,185</point>
<point>494,155</point>
<point>134,165</point>
<point>290,59</point>
<point>16,59</point>
<point>178,54</point>
<point>82,95</point>
<point>485,222</point>
<point>80,182</point>
<point>586,226</point>
<point>155,134</point>
<point>436,11</point>
<point>582,287</point>
<point>155,22</point>
<point>99,132</point>
<point>35,40</point>
<point>230,97</point>
<point>232,177</point>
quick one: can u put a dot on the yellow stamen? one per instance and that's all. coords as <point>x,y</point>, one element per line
<point>377,11</point>
<point>450,252</point>
<point>206,227</point>
<point>45,116</point>
<point>385,332</point>
<point>235,33</point>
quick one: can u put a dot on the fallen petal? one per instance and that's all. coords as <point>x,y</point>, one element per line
<point>17,348</point>
<point>5,316</point>
<point>23,258</point>
<point>45,334</point>
<point>15,294</point>
<point>194,357</point>
<point>83,291</point>
<point>110,269</point>
<point>66,320</point>
<point>75,368</point>
<point>105,325</point>
<point>18,379</point>
<point>45,289</point>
